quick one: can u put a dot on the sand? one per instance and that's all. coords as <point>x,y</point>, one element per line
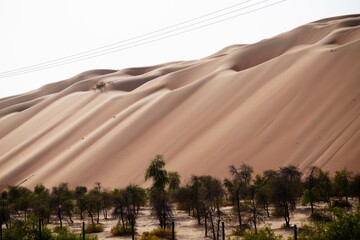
<point>290,99</point>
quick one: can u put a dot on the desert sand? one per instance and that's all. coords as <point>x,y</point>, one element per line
<point>290,99</point>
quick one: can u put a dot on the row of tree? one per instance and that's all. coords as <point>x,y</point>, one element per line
<point>251,197</point>
<point>202,197</point>
<point>18,202</point>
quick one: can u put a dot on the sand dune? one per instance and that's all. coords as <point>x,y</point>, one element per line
<point>291,99</point>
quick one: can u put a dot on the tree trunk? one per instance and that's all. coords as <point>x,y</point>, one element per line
<point>98,216</point>
<point>206,226</point>
<point>312,207</point>
<point>238,211</point>
<point>267,209</point>
<point>212,225</point>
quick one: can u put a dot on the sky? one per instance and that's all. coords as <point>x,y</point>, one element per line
<point>136,32</point>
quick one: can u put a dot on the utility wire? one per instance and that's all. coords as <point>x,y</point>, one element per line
<point>68,60</point>
<point>111,46</point>
<point>123,46</point>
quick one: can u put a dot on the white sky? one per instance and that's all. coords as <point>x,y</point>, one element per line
<point>36,31</point>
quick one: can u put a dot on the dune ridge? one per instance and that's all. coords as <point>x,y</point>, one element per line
<point>290,99</point>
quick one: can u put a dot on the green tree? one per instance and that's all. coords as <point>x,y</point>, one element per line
<point>355,186</point>
<point>93,204</point>
<point>254,207</point>
<point>213,196</point>
<point>341,183</point>
<point>41,203</point>
<point>312,183</point>
<point>157,173</point>
<point>174,182</point>
<point>325,187</point>
<point>4,209</point>
<point>20,199</point>
<point>285,189</point>
<point>80,197</point>
<point>262,195</point>
<point>159,197</point>
<point>136,196</point>
<point>61,198</point>
<point>238,186</point>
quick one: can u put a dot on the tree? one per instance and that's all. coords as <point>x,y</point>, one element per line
<point>136,196</point>
<point>4,209</point>
<point>238,186</point>
<point>174,181</point>
<point>355,186</point>
<point>41,203</point>
<point>213,195</point>
<point>285,189</point>
<point>20,199</point>
<point>93,204</point>
<point>311,194</point>
<point>325,187</point>
<point>159,198</point>
<point>80,197</point>
<point>262,195</point>
<point>253,205</point>
<point>157,173</point>
<point>61,201</point>
<point>341,183</point>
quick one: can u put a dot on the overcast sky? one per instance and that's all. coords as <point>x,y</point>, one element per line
<point>38,31</point>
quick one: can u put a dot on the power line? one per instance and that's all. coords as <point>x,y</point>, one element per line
<point>111,46</point>
<point>82,56</point>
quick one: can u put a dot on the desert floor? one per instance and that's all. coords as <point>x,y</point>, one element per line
<point>186,227</point>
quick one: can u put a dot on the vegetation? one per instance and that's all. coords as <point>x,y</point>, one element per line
<point>159,195</point>
<point>203,197</point>
<point>157,234</point>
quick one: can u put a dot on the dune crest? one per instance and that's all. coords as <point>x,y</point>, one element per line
<point>291,99</point>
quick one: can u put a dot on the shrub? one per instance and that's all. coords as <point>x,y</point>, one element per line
<point>94,228</point>
<point>26,230</point>
<point>238,232</point>
<point>341,204</point>
<point>320,217</point>
<point>345,226</point>
<point>63,233</point>
<point>120,230</point>
<point>265,233</point>
<point>156,234</point>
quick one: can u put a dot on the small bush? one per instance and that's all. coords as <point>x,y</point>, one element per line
<point>265,233</point>
<point>238,232</point>
<point>26,230</point>
<point>157,234</point>
<point>320,217</point>
<point>277,212</point>
<point>94,228</point>
<point>63,233</point>
<point>341,204</point>
<point>120,230</point>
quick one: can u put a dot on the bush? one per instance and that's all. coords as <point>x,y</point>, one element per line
<point>265,233</point>
<point>277,212</point>
<point>26,230</point>
<point>341,204</point>
<point>320,217</point>
<point>156,234</point>
<point>120,230</point>
<point>238,232</point>
<point>94,228</point>
<point>345,226</point>
<point>63,233</point>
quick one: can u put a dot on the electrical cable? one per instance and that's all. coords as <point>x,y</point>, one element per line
<point>68,60</point>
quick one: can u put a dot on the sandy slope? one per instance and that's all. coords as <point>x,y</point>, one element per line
<point>291,99</point>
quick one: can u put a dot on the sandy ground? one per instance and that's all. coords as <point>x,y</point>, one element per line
<point>187,228</point>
